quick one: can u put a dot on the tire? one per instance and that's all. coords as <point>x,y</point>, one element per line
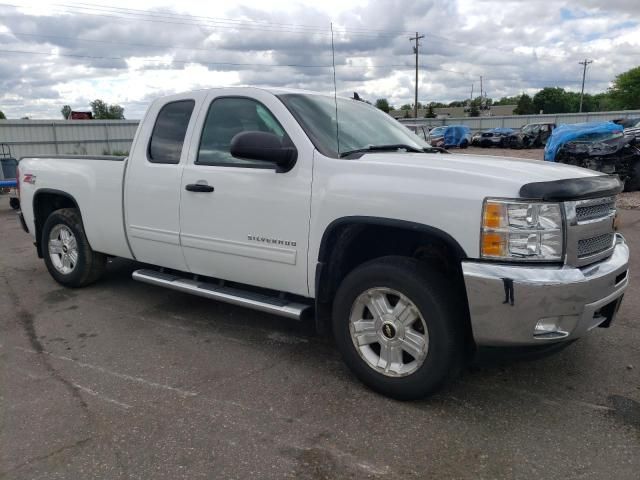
<point>464,144</point>
<point>632,184</point>
<point>14,203</point>
<point>63,235</point>
<point>438,315</point>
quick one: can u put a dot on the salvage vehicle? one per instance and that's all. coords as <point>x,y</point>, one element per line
<point>532,135</point>
<point>276,200</point>
<point>601,146</point>
<point>450,136</point>
<point>420,130</point>
<point>8,183</point>
<point>493,137</point>
<point>632,128</point>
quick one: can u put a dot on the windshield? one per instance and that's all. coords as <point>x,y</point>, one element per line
<point>437,131</point>
<point>360,125</point>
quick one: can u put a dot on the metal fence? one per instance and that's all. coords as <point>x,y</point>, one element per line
<point>67,137</point>
<point>100,137</point>
<point>517,121</point>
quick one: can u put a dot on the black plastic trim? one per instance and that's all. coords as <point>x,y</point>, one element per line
<point>22,222</point>
<point>323,254</point>
<point>573,188</point>
<point>388,222</point>
<point>33,206</point>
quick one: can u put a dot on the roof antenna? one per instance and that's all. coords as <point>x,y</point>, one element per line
<point>335,89</point>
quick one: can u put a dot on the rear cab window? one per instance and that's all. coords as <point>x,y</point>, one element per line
<point>167,137</point>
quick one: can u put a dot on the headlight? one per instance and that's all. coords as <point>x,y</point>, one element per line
<point>513,230</point>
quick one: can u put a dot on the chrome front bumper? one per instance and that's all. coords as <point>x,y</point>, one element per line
<point>507,302</point>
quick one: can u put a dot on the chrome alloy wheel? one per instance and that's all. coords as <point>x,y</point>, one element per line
<point>388,332</point>
<point>63,249</point>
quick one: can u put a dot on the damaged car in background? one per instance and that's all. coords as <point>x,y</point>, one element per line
<point>450,136</point>
<point>631,127</point>
<point>601,146</point>
<point>493,137</point>
<point>532,135</point>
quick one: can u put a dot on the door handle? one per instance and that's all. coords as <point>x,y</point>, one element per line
<point>199,187</point>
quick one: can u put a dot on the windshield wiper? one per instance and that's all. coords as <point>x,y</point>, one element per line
<point>382,148</point>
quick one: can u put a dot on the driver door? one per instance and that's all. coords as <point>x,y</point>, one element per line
<point>244,221</point>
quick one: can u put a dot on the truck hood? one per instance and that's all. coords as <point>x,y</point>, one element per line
<point>491,171</point>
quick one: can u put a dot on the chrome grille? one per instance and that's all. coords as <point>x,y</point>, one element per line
<point>591,212</point>
<point>590,235</point>
<point>594,245</point>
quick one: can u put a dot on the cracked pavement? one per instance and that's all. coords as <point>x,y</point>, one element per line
<point>127,380</point>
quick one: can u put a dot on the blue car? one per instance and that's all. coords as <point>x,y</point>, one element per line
<point>450,136</point>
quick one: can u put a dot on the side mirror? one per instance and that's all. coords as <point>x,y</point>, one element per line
<point>264,147</point>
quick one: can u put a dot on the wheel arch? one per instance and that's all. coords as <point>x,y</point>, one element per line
<point>45,201</point>
<point>343,247</point>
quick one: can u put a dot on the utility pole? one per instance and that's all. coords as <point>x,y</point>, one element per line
<point>415,50</point>
<point>481,93</point>
<point>584,74</point>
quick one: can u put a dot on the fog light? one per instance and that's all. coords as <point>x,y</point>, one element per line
<point>549,327</point>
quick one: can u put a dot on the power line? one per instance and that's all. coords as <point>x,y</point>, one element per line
<point>238,64</point>
<point>254,25</point>
<point>230,20</point>
<point>212,25</point>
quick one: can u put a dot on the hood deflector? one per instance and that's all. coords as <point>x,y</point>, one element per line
<point>573,188</point>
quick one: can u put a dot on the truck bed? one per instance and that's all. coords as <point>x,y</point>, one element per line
<point>96,185</point>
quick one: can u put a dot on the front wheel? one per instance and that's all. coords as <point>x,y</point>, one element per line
<point>397,325</point>
<point>67,254</point>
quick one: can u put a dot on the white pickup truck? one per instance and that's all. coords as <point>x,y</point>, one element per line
<point>411,256</point>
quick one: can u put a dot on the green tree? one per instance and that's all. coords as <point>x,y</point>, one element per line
<point>507,101</point>
<point>2,116</point>
<point>103,111</point>
<point>406,106</point>
<point>383,104</point>
<point>430,113</point>
<point>524,105</point>
<point>66,112</point>
<point>625,91</point>
<point>551,100</point>
<point>603,102</point>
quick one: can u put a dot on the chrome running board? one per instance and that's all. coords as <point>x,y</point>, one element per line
<point>257,301</point>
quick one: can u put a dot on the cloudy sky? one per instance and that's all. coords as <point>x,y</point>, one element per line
<point>131,51</point>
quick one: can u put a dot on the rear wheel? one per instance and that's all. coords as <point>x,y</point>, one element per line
<point>397,326</point>
<point>14,203</point>
<point>67,254</point>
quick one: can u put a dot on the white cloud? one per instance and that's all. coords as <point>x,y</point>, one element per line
<point>128,52</point>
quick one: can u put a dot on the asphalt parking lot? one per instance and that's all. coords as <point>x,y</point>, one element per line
<point>127,380</point>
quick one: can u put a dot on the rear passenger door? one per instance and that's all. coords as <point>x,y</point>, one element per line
<point>152,185</point>
<point>251,223</point>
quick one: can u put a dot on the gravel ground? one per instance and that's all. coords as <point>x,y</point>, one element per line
<point>626,200</point>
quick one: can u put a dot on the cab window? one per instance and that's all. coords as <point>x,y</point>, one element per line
<point>227,117</point>
<point>167,138</point>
